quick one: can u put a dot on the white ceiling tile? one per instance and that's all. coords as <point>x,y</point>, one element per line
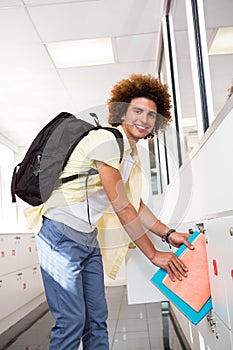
<point>91,86</point>
<point>10,3</point>
<point>81,20</point>
<point>137,47</point>
<point>16,27</point>
<point>46,2</point>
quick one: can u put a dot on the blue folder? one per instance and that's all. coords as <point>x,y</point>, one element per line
<point>194,316</point>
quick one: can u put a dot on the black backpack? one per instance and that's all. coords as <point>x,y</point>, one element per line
<point>37,175</point>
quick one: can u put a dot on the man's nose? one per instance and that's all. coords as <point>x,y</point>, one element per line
<point>144,117</point>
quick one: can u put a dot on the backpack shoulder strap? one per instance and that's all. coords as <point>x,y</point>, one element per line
<point>119,138</point>
<point>118,135</point>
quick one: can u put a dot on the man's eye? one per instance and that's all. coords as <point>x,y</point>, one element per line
<point>152,115</point>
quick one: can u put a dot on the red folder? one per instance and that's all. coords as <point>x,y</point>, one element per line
<point>191,295</point>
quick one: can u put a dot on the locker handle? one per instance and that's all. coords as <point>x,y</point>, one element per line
<point>215,267</point>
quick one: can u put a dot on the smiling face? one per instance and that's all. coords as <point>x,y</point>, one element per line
<point>139,119</point>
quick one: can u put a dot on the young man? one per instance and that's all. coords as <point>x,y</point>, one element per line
<point>68,250</point>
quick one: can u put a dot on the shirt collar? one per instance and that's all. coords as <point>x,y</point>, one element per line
<point>127,148</point>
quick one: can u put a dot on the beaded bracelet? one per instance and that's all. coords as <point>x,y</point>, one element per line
<point>164,238</point>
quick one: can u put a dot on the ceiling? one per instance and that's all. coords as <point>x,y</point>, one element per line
<point>33,90</point>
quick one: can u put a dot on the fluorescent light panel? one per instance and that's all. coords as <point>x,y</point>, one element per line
<point>79,53</point>
<point>223,42</point>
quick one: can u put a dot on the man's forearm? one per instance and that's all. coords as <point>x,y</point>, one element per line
<point>151,222</point>
<point>132,224</point>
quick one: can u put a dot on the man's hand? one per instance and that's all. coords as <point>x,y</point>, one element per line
<point>171,263</point>
<point>176,239</point>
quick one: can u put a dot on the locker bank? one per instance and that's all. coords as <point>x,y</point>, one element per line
<point>187,170</point>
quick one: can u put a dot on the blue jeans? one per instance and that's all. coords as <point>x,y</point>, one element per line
<point>74,286</point>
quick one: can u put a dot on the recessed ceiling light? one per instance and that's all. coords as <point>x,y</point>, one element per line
<point>78,53</point>
<point>223,42</point>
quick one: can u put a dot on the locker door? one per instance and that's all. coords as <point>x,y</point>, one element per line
<point>223,336</point>
<point>18,288</point>
<point>220,248</point>
<point>33,282</point>
<point>17,252</point>
<point>30,252</point>
<point>11,293</point>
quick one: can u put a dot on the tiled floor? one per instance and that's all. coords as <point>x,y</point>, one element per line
<point>138,327</point>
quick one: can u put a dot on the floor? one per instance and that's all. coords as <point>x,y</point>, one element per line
<point>138,327</point>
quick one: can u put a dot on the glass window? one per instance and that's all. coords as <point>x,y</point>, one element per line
<point>153,168</point>
<point>187,96</point>
<point>219,33</point>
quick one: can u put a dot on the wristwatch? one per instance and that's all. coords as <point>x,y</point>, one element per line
<point>164,238</point>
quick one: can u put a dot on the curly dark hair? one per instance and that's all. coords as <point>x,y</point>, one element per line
<point>138,85</point>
